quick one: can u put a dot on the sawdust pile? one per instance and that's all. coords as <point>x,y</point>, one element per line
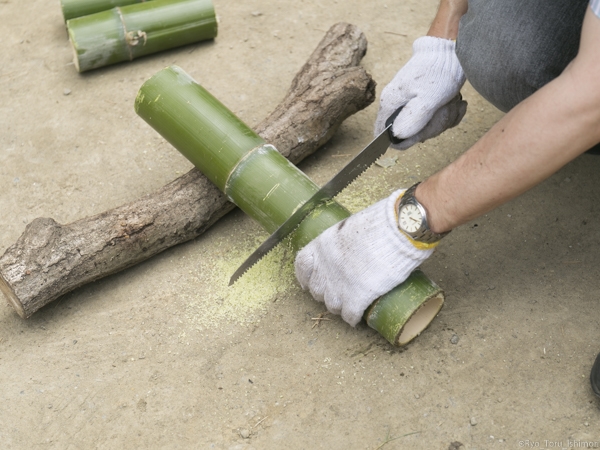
<point>365,191</point>
<point>248,298</point>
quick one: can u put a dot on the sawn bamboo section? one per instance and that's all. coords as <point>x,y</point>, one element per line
<point>266,186</point>
<point>129,32</point>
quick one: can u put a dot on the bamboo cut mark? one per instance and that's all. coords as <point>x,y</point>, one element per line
<point>248,155</point>
<point>271,191</point>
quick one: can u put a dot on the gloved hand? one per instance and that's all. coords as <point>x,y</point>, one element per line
<point>428,87</point>
<point>354,262</point>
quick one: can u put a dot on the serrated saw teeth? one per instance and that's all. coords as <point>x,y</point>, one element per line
<point>333,187</point>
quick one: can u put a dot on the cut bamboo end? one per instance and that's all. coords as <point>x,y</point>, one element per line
<point>75,56</point>
<point>268,187</point>
<point>129,32</point>
<point>420,320</point>
<point>408,309</point>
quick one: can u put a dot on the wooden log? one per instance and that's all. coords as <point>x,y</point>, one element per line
<point>50,259</point>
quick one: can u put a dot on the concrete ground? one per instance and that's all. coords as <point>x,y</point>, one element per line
<point>165,356</point>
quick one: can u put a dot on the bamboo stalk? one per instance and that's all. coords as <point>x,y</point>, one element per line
<point>129,32</point>
<point>266,186</point>
<point>77,8</point>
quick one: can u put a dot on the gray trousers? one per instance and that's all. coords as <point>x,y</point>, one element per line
<point>511,48</point>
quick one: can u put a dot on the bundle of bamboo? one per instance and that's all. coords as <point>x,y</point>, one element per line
<point>128,32</point>
<point>77,8</point>
<point>266,186</point>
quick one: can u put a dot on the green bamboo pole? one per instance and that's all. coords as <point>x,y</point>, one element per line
<point>77,8</point>
<point>129,32</point>
<point>267,186</point>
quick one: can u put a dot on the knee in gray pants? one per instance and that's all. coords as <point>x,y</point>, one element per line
<point>511,48</point>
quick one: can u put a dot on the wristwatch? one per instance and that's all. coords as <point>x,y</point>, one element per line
<point>412,219</point>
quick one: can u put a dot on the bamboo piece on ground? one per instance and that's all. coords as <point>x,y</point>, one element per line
<point>266,186</point>
<point>77,8</point>
<point>51,259</point>
<point>129,32</point>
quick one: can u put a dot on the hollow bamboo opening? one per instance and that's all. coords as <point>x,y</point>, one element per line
<point>421,319</point>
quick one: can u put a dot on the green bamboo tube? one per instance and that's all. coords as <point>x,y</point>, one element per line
<point>129,32</point>
<point>77,8</point>
<point>266,186</point>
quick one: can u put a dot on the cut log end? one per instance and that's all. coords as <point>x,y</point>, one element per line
<point>12,298</point>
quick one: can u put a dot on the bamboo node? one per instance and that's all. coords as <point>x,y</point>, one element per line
<point>133,37</point>
<point>250,153</point>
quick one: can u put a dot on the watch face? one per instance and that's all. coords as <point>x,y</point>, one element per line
<point>410,218</point>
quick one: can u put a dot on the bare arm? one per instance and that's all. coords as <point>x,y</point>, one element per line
<point>445,24</point>
<point>530,143</point>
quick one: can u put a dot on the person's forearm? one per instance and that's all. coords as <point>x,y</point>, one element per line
<point>531,142</point>
<point>445,24</point>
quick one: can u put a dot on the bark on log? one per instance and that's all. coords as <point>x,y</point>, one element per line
<point>50,259</point>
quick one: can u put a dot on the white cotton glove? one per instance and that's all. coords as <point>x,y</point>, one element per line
<point>428,87</point>
<point>356,261</point>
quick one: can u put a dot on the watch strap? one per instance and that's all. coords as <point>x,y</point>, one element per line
<point>424,234</point>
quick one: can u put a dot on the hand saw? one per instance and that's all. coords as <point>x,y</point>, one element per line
<point>343,178</point>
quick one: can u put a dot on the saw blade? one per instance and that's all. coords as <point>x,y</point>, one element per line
<point>342,179</point>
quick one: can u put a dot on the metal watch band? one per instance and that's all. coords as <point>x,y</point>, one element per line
<point>424,233</point>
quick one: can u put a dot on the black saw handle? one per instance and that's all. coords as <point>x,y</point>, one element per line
<point>390,120</point>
